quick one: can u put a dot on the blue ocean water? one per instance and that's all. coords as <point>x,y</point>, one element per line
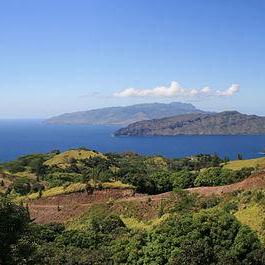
<point>21,137</point>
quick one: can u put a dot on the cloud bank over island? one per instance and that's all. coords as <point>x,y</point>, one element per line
<point>175,90</point>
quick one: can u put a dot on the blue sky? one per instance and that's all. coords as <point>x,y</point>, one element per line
<point>61,56</point>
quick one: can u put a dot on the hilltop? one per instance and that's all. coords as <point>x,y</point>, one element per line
<point>224,123</point>
<point>124,115</point>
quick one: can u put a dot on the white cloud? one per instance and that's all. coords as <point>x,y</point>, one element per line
<point>232,90</point>
<point>175,90</point>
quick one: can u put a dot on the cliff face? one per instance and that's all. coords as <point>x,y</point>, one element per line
<point>124,115</point>
<point>224,123</point>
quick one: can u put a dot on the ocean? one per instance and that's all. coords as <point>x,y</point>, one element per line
<point>22,137</point>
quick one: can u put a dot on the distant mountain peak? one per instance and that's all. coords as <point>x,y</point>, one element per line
<point>124,115</point>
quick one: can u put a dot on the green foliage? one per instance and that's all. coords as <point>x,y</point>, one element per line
<point>47,232</point>
<point>54,254</point>
<point>36,166</point>
<point>185,202</point>
<point>109,224</point>
<point>195,163</point>
<point>22,186</point>
<point>128,249</point>
<point>151,175</point>
<point>190,236</point>
<point>59,178</point>
<point>160,181</point>
<point>14,166</point>
<point>216,237</point>
<point>81,239</point>
<point>183,179</point>
<point>211,202</point>
<point>191,230</point>
<point>218,176</point>
<point>14,222</point>
<point>33,162</point>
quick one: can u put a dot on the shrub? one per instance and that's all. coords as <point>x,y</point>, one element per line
<point>217,176</point>
<point>22,185</point>
<point>109,224</point>
<point>183,179</point>
<point>58,179</point>
<point>208,237</point>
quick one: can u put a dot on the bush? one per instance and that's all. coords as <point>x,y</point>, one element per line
<point>48,232</point>
<point>59,179</point>
<point>81,239</point>
<point>109,224</point>
<point>22,186</point>
<point>208,237</point>
<point>68,255</point>
<point>183,179</point>
<point>217,176</point>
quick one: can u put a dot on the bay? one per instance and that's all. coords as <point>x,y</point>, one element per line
<point>21,137</point>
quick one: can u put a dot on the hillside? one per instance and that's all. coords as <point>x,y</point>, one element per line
<point>124,115</point>
<point>224,123</point>
<point>239,164</point>
<point>75,204</point>
<point>84,207</point>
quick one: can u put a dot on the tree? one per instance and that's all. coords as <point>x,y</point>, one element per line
<point>239,156</point>
<point>22,185</point>
<point>208,237</point>
<point>183,179</point>
<point>14,221</point>
<point>37,166</point>
<point>162,181</point>
<point>106,225</point>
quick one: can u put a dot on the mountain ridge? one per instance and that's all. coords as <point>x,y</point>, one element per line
<point>223,123</point>
<point>124,115</point>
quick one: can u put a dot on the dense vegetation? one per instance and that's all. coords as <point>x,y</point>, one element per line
<point>151,175</point>
<point>196,232</point>
<point>186,229</point>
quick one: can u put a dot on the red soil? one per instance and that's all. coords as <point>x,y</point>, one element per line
<point>63,208</point>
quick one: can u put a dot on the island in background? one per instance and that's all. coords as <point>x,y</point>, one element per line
<point>224,123</point>
<point>124,115</point>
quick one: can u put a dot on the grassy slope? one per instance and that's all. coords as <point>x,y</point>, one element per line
<point>135,224</point>
<point>72,188</point>
<point>63,160</point>
<point>253,215</point>
<point>136,215</point>
<point>239,164</point>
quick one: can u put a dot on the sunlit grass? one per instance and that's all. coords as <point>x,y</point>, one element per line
<point>63,160</point>
<point>253,216</point>
<point>135,224</point>
<point>239,164</point>
<point>75,187</point>
<point>116,185</point>
<point>72,188</point>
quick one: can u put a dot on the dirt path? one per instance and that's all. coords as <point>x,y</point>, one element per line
<point>63,208</point>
